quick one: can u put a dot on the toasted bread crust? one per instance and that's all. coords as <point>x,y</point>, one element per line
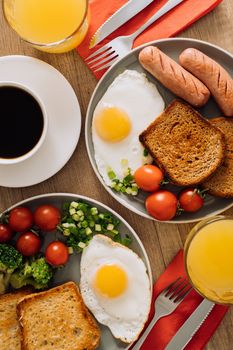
<point>184,144</point>
<point>220,184</point>
<point>9,325</point>
<point>83,333</point>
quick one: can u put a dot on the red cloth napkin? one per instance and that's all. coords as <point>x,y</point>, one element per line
<point>169,25</point>
<point>167,326</point>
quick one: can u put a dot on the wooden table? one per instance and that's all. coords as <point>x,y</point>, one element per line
<point>162,241</point>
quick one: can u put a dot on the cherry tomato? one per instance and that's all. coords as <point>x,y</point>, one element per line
<point>190,200</point>
<point>47,217</point>
<point>28,244</point>
<point>20,219</point>
<point>56,253</point>
<point>6,233</point>
<point>162,205</point>
<point>148,177</point>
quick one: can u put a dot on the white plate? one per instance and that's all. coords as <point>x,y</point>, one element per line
<point>71,271</point>
<point>64,120</point>
<point>172,47</point>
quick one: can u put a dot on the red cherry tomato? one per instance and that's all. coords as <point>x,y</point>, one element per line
<point>56,253</point>
<point>20,219</point>
<point>190,200</point>
<point>148,177</point>
<point>28,244</point>
<point>6,233</point>
<point>47,217</point>
<point>162,205</point>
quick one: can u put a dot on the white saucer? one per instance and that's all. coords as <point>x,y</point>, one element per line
<point>64,120</point>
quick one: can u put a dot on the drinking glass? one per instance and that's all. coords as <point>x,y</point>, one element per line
<point>209,259</point>
<point>49,25</point>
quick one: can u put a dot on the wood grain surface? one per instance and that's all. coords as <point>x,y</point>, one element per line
<point>162,241</point>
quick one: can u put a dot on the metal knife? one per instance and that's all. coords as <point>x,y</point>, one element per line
<point>191,326</point>
<point>125,13</point>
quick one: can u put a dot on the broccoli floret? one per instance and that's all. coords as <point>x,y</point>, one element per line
<point>35,272</point>
<point>10,260</point>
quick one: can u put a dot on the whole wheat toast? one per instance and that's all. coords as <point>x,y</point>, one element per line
<point>220,184</point>
<point>57,319</point>
<point>184,144</point>
<point>10,338</point>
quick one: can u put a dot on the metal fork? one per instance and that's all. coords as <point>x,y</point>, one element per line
<point>121,45</point>
<point>165,304</point>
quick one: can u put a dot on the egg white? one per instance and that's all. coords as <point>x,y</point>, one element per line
<point>134,94</point>
<point>124,315</point>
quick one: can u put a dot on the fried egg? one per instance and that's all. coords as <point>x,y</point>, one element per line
<point>115,287</point>
<point>128,106</point>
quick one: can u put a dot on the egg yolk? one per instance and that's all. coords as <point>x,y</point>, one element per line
<point>112,124</point>
<point>110,281</point>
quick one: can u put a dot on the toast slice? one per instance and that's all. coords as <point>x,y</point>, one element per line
<point>220,184</point>
<point>184,144</point>
<point>57,319</point>
<point>10,338</point>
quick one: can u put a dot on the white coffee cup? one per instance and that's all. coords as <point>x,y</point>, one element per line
<point>36,147</point>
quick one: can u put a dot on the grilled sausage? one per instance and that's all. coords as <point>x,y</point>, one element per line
<point>173,76</point>
<point>214,76</point>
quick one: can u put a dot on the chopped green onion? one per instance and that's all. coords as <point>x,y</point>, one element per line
<point>124,162</point>
<point>80,227</point>
<point>75,217</point>
<point>70,250</point>
<point>74,205</point>
<point>111,174</point>
<point>94,211</point>
<point>92,223</point>
<point>84,224</point>
<point>88,231</point>
<point>72,211</point>
<point>110,227</point>
<point>66,232</point>
<point>98,228</point>
<point>82,245</point>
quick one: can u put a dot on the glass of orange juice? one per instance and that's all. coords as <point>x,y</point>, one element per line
<point>209,259</point>
<point>49,25</point>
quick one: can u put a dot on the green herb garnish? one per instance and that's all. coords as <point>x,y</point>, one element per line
<point>127,185</point>
<point>81,221</point>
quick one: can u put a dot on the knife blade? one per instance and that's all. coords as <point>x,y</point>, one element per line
<point>191,326</point>
<point>121,16</point>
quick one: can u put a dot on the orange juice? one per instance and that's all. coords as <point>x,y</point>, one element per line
<point>51,25</point>
<point>209,259</point>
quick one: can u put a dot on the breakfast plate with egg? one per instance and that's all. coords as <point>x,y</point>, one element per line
<point>107,261</point>
<point>148,132</point>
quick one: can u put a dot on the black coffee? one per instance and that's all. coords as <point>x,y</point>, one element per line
<point>21,122</point>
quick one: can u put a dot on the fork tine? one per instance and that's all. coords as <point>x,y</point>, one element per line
<point>179,290</point>
<point>177,287</point>
<point>183,295</point>
<point>102,49</point>
<point>108,58</point>
<point>171,285</point>
<point>107,52</point>
<point>109,64</point>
